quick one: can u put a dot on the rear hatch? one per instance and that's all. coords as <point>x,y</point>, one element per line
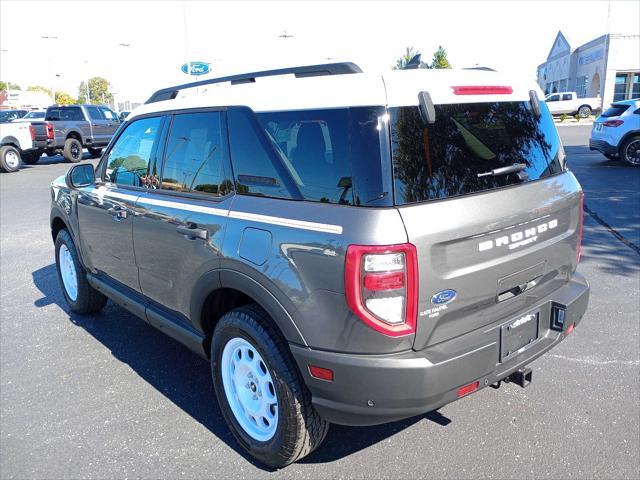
<point>490,242</point>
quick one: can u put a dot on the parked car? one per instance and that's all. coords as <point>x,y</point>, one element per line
<point>343,247</point>
<point>9,115</point>
<point>616,133</point>
<point>123,116</point>
<point>16,146</point>
<point>80,126</point>
<point>36,115</point>
<point>571,104</point>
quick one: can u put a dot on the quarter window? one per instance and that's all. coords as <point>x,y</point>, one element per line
<point>107,114</point>
<point>195,155</point>
<point>129,161</point>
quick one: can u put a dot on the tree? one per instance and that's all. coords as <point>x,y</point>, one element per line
<point>9,86</point>
<point>440,59</point>
<point>98,91</point>
<point>39,88</point>
<point>63,98</point>
<point>404,59</point>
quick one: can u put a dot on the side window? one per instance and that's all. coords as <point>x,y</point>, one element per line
<point>255,166</point>
<point>195,155</point>
<point>553,98</point>
<point>94,113</point>
<point>75,114</point>
<point>129,161</point>
<point>108,114</point>
<point>566,96</point>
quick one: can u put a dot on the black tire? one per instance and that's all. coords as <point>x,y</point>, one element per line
<point>584,111</point>
<point>630,151</point>
<point>88,299</point>
<point>10,159</point>
<point>300,430</point>
<point>72,150</point>
<point>95,152</point>
<point>31,158</point>
<point>611,156</point>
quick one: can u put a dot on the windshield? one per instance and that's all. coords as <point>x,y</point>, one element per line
<point>459,152</point>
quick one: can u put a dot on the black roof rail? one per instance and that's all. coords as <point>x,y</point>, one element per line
<point>305,71</point>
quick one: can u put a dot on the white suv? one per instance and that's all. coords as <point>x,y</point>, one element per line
<point>616,133</point>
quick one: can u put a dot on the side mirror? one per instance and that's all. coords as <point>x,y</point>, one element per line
<point>81,176</point>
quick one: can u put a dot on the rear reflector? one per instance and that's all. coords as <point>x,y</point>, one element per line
<point>32,132</point>
<point>384,281</point>
<point>482,90</point>
<point>570,329</point>
<point>467,389</point>
<point>612,123</point>
<point>321,373</point>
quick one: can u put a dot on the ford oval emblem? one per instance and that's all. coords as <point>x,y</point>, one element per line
<point>195,68</point>
<point>444,297</point>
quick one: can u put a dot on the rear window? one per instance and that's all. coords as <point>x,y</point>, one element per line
<point>457,154</point>
<point>615,110</point>
<point>328,155</point>
<point>65,114</point>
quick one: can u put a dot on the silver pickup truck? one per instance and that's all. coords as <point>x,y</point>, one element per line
<point>79,126</point>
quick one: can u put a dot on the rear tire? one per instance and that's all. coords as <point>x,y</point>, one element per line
<point>272,418</point>
<point>79,294</point>
<point>95,152</point>
<point>584,111</point>
<point>72,150</point>
<point>9,159</point>
<point>31,158</point>
<point>630,151</point>
<point>50,153</point>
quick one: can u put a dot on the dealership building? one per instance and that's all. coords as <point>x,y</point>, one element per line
<point>607,67</point>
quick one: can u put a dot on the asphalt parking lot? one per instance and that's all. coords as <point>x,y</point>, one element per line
<point>108,396</point>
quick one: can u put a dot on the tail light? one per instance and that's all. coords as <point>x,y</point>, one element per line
<point>32,132</point>
<point>581,225</point>
<point>612,123</point>
<point>381,286</point>
<point>482,90</point>
<point>50,135</point>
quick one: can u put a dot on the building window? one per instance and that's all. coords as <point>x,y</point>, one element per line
<point>635,86</point>
<point>581,86</point>
<point>620,92</point>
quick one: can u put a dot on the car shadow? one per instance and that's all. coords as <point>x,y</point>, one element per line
<point>185,378</point>
<point>56,160</point>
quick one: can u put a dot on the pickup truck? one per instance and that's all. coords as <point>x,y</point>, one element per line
<point>17,144</point>
<point>80,126</point>
<point>569,103</point>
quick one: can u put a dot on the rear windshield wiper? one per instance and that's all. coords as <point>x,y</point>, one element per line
<point>515,168</point>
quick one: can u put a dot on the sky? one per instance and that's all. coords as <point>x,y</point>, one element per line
<point>159,36</point>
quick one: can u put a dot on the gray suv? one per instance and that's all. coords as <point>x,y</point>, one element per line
<point>342,247</point>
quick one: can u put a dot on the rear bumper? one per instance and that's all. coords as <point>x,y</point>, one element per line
<point>603,147</point>
<point>409,383</point>
<point>43,144</point>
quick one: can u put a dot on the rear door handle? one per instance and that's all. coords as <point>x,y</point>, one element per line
<point>118,213</point>
<point>192,231</point>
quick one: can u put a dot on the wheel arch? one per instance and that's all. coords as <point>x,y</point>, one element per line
<point>74,134</point>
<point>10,141</point>
<point>220,291</point>
<point>627,136</point>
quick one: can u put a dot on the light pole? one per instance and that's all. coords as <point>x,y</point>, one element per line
<point>127,46</point>
<point>86,75</point>
<point>53,93</point>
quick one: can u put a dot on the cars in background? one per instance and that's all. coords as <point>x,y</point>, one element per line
<point>36,115</point>
<point>123,116</point>
<point>616,133</point>
<point>9,115</point>
<point>79,126</point>
<point>569,103</point>
<point>17,145</point>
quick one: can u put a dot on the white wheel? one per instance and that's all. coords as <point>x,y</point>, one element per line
<point>68,272</point>
<point>249,389</point>
<point>13,159</point>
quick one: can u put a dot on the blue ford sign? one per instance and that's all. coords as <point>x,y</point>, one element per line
<point>195,68</point>
<point>444,297</point>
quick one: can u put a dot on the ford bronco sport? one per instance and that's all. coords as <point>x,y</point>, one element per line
<point>343,247</point>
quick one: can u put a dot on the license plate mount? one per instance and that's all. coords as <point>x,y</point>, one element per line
<point>518,335</point>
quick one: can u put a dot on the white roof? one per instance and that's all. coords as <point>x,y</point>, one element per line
<point>394,88</point>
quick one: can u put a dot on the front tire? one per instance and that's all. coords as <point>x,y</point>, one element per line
<point>72,151</point>
<point>79,294</point>
<point>260,391</point>
<point>95,152</point>
<point>584,111</point>
<point>9,159</point>
<point>630,151</point>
